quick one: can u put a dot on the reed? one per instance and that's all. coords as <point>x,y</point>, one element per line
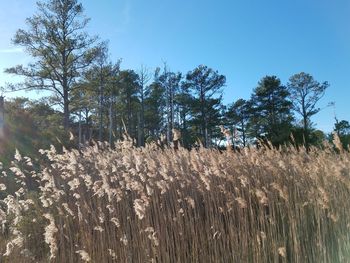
<point>163,205</point>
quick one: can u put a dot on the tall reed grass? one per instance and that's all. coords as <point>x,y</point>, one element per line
<point>164,205</point>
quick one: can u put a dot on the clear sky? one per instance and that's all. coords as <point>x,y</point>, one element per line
<point>243,39</point>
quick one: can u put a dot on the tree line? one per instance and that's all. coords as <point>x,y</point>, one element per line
<point>95,98</point>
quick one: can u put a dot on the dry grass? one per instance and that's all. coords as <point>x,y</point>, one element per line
<point>153,205</point>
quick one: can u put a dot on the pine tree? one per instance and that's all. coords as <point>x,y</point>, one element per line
<point>206,86</point>
<point>61,50</point>
<point>271,111</point>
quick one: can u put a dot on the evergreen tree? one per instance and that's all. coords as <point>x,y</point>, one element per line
<point>271,110</point>
<point>342,128</point>
<point>305,92</point>
<point>205,85</point>
<point>144,78</point>
<point>184,101</point>
<point>238,116</point>
<point>128,104</point>
<point>60,48</point>
<point>155,103</point>
<point>170,81</point>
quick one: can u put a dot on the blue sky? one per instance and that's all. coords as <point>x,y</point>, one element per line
<point>243,39</point>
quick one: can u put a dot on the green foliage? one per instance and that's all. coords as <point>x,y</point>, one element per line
<point>154,104</point>
<point>99,99</point>
<point>101,102</point>
<point>342,128</point>
<point>128,104</point>
<point>305,92</point>
<point>271,110</point>
<point>61,50</point>
<point>205,85</point>
<point>238,116</point>
<point>31,226</point>
<point>30,126</point>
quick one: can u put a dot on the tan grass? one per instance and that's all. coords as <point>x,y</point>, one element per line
<point>165,205</point>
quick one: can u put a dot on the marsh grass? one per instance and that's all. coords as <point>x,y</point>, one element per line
<point>164,205</point>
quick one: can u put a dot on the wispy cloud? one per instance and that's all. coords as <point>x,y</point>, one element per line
<point>11,50</point>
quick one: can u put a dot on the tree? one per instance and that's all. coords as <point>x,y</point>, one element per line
<point>154,104</point>
<point>60,48</point>
<point>271,110</point>
<point>128,103</point>
<point>184,101</point>
<point>161,108</point>
<point>305,92</point>
<point>205,84</point>
<point>104,72</point>
<point>238,115</point>
<point>342,128</point>
<point>93,98</point>
<point>170,82</point>
<point>144,78</point>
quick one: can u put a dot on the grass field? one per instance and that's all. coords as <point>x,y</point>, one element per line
<point>152,205</point>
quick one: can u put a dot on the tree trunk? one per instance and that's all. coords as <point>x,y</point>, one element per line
<point>168,129</point>
<point>110,124</point>
<point>139,140</point>
<point>305,126</point>
<point>306,132</point>
<point>2,117</point>
<point>171,111</point>
<point>65,109</point>
<point>129,117</point>
<point>142,121</point>
<point>204,119</point>
<point>79,130</point>
<point>100,108</point>
<point>243,134</point>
